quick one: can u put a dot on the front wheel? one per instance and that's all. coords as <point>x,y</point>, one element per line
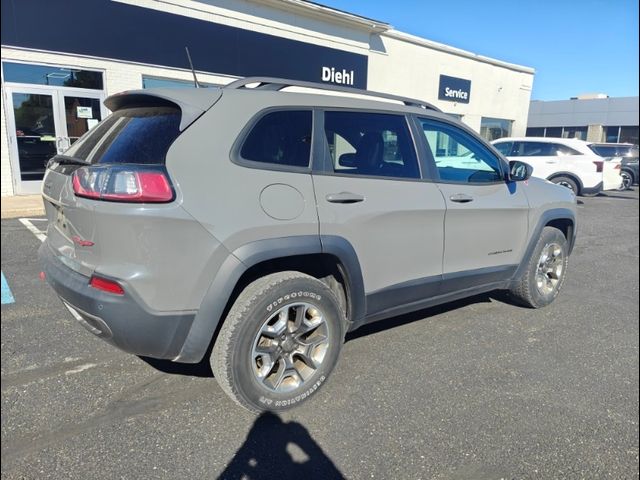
<point>567,182</point>
<point>279,343</point>
<point>545,270</point>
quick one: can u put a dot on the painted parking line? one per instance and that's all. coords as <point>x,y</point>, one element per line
<point>7,296</point>
<point>28,223</point>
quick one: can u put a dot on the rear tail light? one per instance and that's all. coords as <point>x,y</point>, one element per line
<point>130,183</point>
<point>598,164</point>
<point>617,166</point>
<point>106,285</point>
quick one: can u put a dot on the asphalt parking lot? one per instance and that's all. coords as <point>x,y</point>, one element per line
<point>477,389</point>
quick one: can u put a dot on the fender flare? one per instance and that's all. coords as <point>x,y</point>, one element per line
<point>209,315</point>
<point>545,218</point>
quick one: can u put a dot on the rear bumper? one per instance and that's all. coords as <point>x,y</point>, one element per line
<point>592,190</point>
<point>121,320</point>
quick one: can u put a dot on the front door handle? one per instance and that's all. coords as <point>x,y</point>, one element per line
<point>344,197</point>
<point>461,198</point>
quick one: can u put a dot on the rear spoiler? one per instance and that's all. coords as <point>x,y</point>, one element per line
<point>191,102</point>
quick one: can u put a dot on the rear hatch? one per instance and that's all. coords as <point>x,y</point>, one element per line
<point>122,161</point>
<point>611,163</point>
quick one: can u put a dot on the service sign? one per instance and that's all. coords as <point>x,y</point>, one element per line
<point>453,89</point>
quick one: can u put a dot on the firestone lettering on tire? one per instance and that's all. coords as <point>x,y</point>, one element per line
<point>298,398</point>
<point>291,296</point>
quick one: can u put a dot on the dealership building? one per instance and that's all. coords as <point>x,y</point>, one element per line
<point>592,117</point>
<point>60,61</point>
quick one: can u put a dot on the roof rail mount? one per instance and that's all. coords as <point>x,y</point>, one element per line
<point>276,84</point>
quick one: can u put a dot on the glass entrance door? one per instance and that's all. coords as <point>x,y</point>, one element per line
<point>45,122</point>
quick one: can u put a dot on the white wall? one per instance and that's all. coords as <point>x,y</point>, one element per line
<point>414,71</point>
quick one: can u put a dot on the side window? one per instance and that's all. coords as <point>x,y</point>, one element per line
<point>504,148</point>
<point>562,150</point>
<point>458,156</point>
<point>280,138</point>
<point>370,144</point>
<point>534,149</point>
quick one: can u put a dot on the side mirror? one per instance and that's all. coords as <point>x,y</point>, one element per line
<point>519,171</point>
<point>348,160</point>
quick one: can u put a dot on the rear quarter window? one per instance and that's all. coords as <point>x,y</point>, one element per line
<point>130,135</point>
<point>281,138</point>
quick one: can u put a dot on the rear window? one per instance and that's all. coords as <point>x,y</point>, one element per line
<point>130,135</point>
<point>615,150</point>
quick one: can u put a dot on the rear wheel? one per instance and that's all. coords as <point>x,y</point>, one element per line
<point>545,270</point>
<point>567,182</point>
<point>279,343</point>
<point>627,180</point>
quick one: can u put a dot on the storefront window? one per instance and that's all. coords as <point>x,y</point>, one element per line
<point>51,75</point>
<point>555,132</point>
<point>629,135</point>
<point>159,82</point>
<point>494,128</point>
<point>612,134</point>
<point>575,132</point>
<point>535,132</point>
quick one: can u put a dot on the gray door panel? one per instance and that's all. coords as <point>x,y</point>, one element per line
<point>488,230</point>
<point>396,229</point>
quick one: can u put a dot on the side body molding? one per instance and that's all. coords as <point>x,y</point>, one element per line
<point>209,315</point>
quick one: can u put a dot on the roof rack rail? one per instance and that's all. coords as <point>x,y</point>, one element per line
<point>276,84</point>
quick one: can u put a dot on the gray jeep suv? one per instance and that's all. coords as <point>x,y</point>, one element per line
<point>258,226</point>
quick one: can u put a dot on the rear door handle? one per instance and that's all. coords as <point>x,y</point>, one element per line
<point>344,197</point>
<point>461,198</point>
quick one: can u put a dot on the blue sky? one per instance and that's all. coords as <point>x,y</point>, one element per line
<point>575,46</point>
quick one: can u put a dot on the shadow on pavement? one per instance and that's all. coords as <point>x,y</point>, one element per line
<point>376,327</point>
<point>202,369</point>
<point>282,450</point>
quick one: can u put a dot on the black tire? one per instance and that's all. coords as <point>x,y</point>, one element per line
<point>233,358</point>
<point>567,182</point>
<point>627,180</point>
<point>527,291</point>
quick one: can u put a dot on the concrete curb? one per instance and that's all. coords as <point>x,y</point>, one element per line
<point>22,206</point>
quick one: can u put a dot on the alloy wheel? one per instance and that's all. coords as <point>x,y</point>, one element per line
<point>290,347</point>
<point>550,268</point>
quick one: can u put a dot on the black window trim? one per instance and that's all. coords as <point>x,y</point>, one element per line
<point>236,148</point>
<point>465,129</point>
<point>324,166</point>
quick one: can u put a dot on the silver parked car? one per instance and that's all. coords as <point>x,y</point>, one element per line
<point>266,224</point>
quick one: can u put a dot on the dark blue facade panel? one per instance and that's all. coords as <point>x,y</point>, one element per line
<point>113,30</point>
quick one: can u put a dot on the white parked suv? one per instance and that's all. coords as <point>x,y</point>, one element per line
<point>565,161</point>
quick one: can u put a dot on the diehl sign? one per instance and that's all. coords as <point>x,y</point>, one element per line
<point>343,78</point>
<point>454,89</point>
